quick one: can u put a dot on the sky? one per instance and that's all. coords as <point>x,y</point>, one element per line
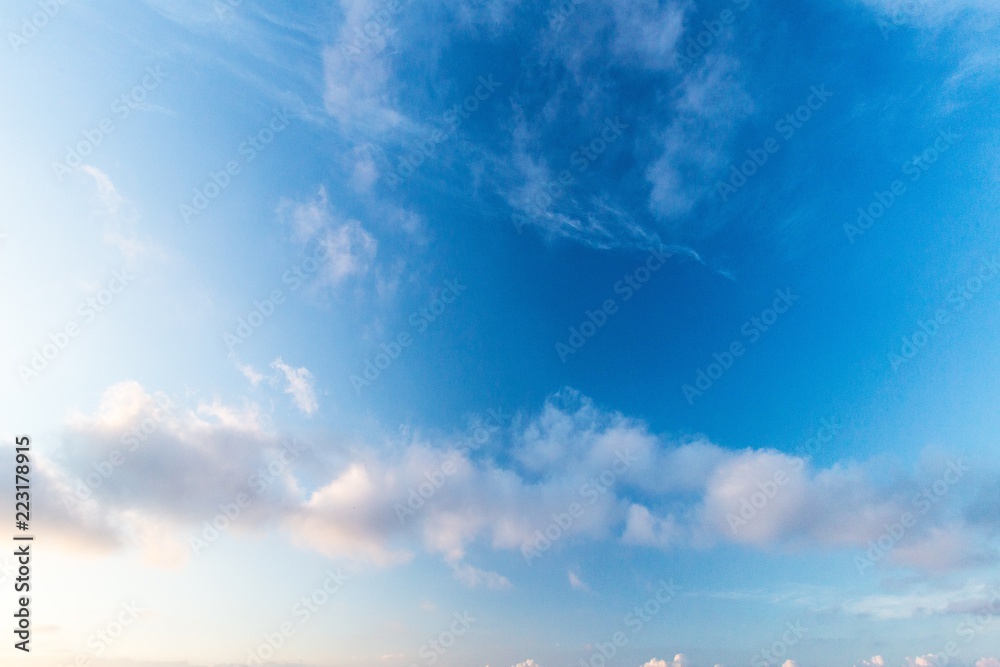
<point>414,333</point>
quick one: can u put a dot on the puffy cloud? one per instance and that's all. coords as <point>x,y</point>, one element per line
<point>929,660</point>
<point>986,662</point>
<point>680,660</point>
<point>143,470</point>
<point>571,476</point>
<point>527,663</point>
<point>766,497</point>
<point>876,661</point>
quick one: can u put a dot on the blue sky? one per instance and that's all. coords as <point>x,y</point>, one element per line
<point>527,313</point>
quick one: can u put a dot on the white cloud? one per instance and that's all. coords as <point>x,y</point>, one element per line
<point>709,101</point>
<point>143,470</point>
<point>929,660</point>
<point>118,215</point>
<point>189,462</point>
<point>679,660</point>
<point>474,577</point>
<point>876,661</point>
<point>299,385</point>
<point>648,31</point>
<point>347,247</point>
<point>641,527</point>
<point>252,376</point>
<point>358,71</point>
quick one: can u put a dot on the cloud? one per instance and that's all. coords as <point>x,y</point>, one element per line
<point>708,104</point>
<point>876,661</point>
<point>358,69</point>
<point>680,660</point>
<point>299,385</point>
<point>576,582</point>
<point>527,663</point>
<point>119,216</point>
<point>573,473</point>
<point>346,248</point>
<point>473,577</point>
<point>930,14</point>
<point>142,470</point>
<point>929,660</point>
<point>252,376</point>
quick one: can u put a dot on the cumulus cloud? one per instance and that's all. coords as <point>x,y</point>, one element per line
<point>679,660</point>
<point>876,661</point>
<point>929,660</point>
<point>571,476</point>
<point>143,470</point>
